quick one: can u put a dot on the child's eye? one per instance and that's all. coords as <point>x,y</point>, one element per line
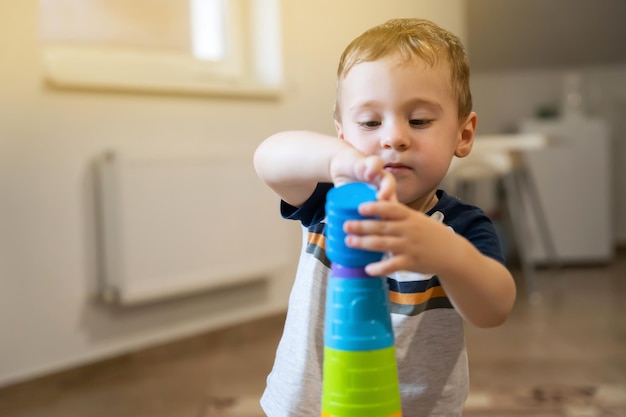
<point>370,124</point>
<point>419,122</point>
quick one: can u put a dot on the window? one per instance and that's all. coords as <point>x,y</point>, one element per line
<point>216,47</point>
<point>208,36</point>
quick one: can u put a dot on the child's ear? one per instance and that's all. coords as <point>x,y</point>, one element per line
<point>339,129</point>
<point>467,131</point>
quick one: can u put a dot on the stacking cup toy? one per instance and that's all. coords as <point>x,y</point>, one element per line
<point>360,372</point>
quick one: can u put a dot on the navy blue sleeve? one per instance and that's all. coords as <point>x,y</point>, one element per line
<point>482,233</point>
<point>312,211</point>
<point>472,223</point>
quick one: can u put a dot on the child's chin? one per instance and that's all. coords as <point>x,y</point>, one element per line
<point>414,199</point>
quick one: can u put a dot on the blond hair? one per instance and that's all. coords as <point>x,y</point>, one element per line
<point>412,39</point>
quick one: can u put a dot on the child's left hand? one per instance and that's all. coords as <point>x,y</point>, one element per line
<point>416,242</point>
<point>480,288</point>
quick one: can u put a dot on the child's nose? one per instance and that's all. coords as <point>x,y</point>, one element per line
<point>395,137</point>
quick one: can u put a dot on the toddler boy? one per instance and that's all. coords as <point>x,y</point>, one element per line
<point>403,111</point>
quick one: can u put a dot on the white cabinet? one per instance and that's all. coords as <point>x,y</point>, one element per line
<point>574,184</point>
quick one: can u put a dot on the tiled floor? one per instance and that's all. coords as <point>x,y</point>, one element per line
<point>565,356</point>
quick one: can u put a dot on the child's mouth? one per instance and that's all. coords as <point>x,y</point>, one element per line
<point>396,168</point>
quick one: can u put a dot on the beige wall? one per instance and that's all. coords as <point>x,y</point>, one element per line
<point>49,319</point>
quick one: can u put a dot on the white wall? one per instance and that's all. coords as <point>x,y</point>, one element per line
<point>517,70</point>
<point>49,318</point>
<point>503,98</point>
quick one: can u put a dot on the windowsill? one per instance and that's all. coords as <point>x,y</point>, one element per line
<point>107,69</point>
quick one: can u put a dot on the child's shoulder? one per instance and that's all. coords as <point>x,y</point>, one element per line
<point>457,213</point>
<point>470,222</point>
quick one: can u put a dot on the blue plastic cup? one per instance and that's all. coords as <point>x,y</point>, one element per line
<point>342,204</point>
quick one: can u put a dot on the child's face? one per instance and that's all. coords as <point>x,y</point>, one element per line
<point>405,113</point>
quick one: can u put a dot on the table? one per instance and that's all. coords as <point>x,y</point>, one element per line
<point>502,158</point>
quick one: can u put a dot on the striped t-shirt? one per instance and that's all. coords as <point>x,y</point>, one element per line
<point>428,332</point>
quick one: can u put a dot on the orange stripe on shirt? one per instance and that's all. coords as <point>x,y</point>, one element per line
<point>316,239</point>
<point>416,298</point>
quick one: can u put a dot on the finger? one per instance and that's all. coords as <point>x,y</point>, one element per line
<point>385,267</point>
<point>387,210</point>
<point>363,227</point>
<point>375,243</point>
<point>373,170</point>
<point>387,187</point>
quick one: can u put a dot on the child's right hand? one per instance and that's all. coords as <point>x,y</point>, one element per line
<point>350,165</point>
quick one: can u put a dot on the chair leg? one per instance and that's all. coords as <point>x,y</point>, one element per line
<point>518,216</point>
<point>528,183</point>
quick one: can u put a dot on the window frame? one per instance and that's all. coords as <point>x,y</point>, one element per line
<point>252,66</point>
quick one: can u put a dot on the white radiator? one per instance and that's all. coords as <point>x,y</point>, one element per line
<point>176,226</point>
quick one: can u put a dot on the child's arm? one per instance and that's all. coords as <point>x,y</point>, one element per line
<point>292,163</point>
<point>480,288</point>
